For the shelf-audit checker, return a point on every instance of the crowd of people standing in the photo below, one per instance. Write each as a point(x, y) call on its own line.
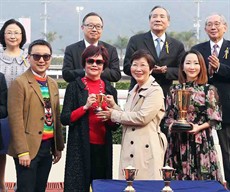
point(32, 133)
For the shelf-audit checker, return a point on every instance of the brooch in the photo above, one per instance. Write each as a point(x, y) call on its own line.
point(167, 47)
point(226, 52)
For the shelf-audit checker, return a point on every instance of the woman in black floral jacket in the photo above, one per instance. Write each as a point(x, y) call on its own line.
point(192, 153)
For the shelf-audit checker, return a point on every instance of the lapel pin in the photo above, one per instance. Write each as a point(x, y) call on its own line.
point(167, 47)
point(226, 52)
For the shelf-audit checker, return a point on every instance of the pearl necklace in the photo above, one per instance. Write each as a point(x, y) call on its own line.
point(86, 85)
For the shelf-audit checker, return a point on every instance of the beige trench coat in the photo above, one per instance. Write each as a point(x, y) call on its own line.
point(143, 144)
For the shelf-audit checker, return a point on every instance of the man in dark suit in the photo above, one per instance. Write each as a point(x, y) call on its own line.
point(170, 50)
point(217, 59)
point(92, 27)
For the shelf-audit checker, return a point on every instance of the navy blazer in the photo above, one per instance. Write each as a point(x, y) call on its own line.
point(3, 103)
point(171, 57)
point(72, 66)
point(221, 78)
point(3, 96)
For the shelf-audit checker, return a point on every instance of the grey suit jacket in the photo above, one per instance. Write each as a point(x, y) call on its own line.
point(72, 66)
point(221, 78)
point(171, 57)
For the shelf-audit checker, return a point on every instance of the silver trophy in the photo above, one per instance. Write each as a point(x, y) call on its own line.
point(130, 173)
point(167, 176)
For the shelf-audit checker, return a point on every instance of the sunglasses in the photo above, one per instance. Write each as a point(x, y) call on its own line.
point(97, 61)
point(37, 57)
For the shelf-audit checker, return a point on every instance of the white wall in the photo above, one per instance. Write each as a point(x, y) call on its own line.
point(57, 170)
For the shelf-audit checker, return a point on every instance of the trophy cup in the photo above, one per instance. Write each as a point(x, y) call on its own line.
point(100, 98)
point(167, 176)
point(182, 98)
point(129, 173)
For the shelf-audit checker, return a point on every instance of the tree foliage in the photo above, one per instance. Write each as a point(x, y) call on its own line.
point(188, 38)
point(121, 44)
point(51, 36)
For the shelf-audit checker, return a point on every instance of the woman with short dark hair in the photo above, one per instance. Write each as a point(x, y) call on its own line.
point(143, 144)
point(89, 147)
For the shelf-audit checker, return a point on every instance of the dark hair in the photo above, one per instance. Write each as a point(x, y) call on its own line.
point(91, 14)
point(2, 32)
point(142, 53)
point(202, 76)
point(156, 7)
point(39, 42)
point(92, 50)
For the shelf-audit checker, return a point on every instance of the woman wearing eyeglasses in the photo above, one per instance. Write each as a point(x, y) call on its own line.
point(89, 147)
point(12, 63)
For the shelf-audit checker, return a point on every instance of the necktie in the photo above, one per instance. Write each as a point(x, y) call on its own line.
point(158, 46)
point(215, 52)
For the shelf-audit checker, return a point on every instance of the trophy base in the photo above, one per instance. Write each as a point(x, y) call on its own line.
point(167, 189)
point(98, 110)
point(181, 127)
point(129, 189)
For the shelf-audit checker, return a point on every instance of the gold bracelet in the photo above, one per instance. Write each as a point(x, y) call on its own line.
point(23, 154)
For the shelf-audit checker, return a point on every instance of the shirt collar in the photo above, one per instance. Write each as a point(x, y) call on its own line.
point(163, 37)
point(219, 43)
point(37, 74)
point(87, 44)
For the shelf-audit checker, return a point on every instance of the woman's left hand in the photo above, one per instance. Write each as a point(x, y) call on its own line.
point(195, 129)
point(105, 115)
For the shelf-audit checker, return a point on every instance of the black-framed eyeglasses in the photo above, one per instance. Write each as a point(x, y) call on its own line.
point(97, 61)
point(37, 57)
point(91, 26)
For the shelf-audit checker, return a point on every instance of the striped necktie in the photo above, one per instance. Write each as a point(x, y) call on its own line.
point(215, 52)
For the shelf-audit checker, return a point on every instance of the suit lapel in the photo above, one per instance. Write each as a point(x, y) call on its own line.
point(223, 49)
point(206, 50)
point(34, 84)
point(81, 46)
point(148, 40)
point(167, 48)
point(129, 105)
point(100, 43)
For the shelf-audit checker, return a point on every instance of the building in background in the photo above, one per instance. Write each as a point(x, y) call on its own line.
point(26, 22)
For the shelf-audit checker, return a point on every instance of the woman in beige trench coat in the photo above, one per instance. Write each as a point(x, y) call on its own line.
point(143, 144)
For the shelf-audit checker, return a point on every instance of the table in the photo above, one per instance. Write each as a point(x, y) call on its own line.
point(156, 186)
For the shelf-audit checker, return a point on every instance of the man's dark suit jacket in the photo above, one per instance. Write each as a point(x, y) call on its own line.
point(170, 58)
point(221, 78)
point(72, 66)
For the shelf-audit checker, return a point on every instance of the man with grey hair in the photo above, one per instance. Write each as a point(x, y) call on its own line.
point(166, 51)
point(217, 59)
